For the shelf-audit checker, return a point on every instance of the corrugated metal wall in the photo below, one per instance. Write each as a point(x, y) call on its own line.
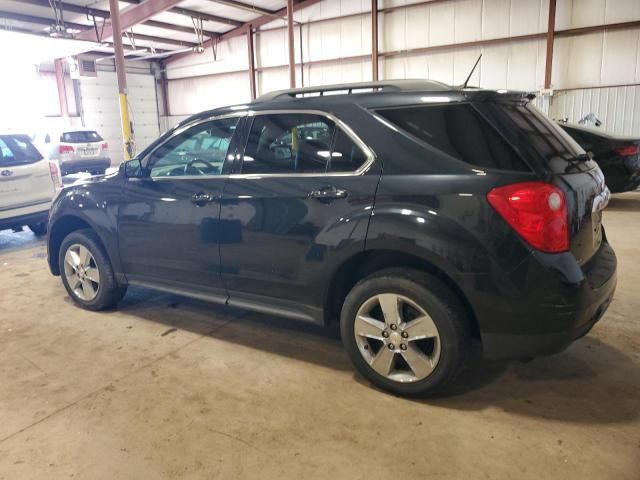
point(336, 47)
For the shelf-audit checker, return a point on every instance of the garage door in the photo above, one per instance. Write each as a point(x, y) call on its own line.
point(101, 109)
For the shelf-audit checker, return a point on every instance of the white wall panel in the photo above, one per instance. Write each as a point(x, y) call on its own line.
point(584, 13)
point(618, 107)
point(231, 55)
point(191, 95)
point(101, 109)
point(468, 20)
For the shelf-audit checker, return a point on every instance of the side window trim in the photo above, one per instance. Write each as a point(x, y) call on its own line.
point(225, 168)
point(339, 125)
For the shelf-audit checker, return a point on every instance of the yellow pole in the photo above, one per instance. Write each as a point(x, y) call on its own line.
point(118, 49)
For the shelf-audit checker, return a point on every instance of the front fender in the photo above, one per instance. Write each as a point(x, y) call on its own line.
point(91, 205)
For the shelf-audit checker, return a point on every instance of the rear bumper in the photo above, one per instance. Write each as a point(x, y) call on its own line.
point(548, 303)
point(22, 220)
point(94, 165)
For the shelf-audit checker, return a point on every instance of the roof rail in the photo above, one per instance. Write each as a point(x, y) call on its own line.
point(355, 88)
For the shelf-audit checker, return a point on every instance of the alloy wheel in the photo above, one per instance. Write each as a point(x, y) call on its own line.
point(397, 338)
point(81, 272)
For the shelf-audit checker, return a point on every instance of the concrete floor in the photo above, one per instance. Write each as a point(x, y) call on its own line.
point(170, 388)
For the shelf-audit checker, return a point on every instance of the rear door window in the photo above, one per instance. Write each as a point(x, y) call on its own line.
point(80, 137)
point(458, 131)
point(288, 143)
point(299, 143)
point(17, 150)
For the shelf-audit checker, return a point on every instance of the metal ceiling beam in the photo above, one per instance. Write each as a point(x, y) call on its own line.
point(245, 7)
point(76, 26)
point(95, 12)
point(129, 17)
point(241, 30)
point(195, 14)
point(21, 17)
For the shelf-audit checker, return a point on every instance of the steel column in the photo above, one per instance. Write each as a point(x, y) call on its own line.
point(551, 27)
point(122, 79)
point(292, 60)
point(252, 65)
point(374, 39)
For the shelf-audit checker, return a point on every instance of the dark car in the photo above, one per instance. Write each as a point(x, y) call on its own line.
point(618, 157)
point(418, 216)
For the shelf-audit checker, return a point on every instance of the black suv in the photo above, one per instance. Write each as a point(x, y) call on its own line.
point(418, 216)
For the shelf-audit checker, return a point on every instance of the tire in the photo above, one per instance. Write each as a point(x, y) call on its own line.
point(437, 356)
point(38, 229)
point(89, 290)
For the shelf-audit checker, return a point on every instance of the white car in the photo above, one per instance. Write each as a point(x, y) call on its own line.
point(76, 149)
point(28, 182)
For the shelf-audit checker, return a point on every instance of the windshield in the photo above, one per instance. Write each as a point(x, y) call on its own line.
point(17, 150)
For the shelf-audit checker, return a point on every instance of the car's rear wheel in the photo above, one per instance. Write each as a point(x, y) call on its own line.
point(405, 332)
point(86, 272)
point(38, 229)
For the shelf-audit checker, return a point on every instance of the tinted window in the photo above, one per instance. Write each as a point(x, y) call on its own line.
point(346, 156)
point(199, 150)
point(17, 150)
point(538, 135)
point(458, 131)
point(288, 143)
point(80, 137)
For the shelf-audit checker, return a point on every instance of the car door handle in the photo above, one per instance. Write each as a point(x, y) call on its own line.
point(328, 194)
point(202, 198)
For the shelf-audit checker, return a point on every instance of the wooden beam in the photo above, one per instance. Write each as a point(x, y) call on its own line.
point(551, 27)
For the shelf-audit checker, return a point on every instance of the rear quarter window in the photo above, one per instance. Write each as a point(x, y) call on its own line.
point(17, 150)
point(458, 131)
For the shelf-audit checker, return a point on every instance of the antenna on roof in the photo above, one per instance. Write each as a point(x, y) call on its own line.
point(464, 85)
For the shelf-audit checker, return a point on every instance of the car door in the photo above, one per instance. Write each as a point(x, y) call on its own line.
point(304, 191)
point(25, 177)
point(168, 223)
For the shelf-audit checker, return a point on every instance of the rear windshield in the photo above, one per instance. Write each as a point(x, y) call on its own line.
point(80, 137)
point(459, 131)
point(537, 133)
point(17, 150)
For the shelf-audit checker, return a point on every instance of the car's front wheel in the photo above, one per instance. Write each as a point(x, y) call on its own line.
point(405, 332)
point(86, 272)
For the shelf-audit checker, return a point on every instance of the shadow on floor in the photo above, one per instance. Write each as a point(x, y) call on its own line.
point(629, 202)
point(591, 382)
point(13, 241)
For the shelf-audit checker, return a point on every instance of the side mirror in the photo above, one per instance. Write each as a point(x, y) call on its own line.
point(133, 168)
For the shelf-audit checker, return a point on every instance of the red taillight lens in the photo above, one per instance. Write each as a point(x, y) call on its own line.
point(628, 151)
point(54, 170)
point(65, 149)
point(537, 211)
point(104, 146)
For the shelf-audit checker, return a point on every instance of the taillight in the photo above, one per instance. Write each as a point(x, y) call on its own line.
point(65, 149)
point(537, 211)
point(54, 170)
point(628, 151)
point(104, 145)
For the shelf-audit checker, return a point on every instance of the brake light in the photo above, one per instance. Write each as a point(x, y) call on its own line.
point(104, 145)
point(628, 151)
point(54, 170)
point(537, 211)
point(65, 149)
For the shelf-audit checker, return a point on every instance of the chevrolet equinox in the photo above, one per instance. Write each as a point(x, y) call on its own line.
point(420, 218)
